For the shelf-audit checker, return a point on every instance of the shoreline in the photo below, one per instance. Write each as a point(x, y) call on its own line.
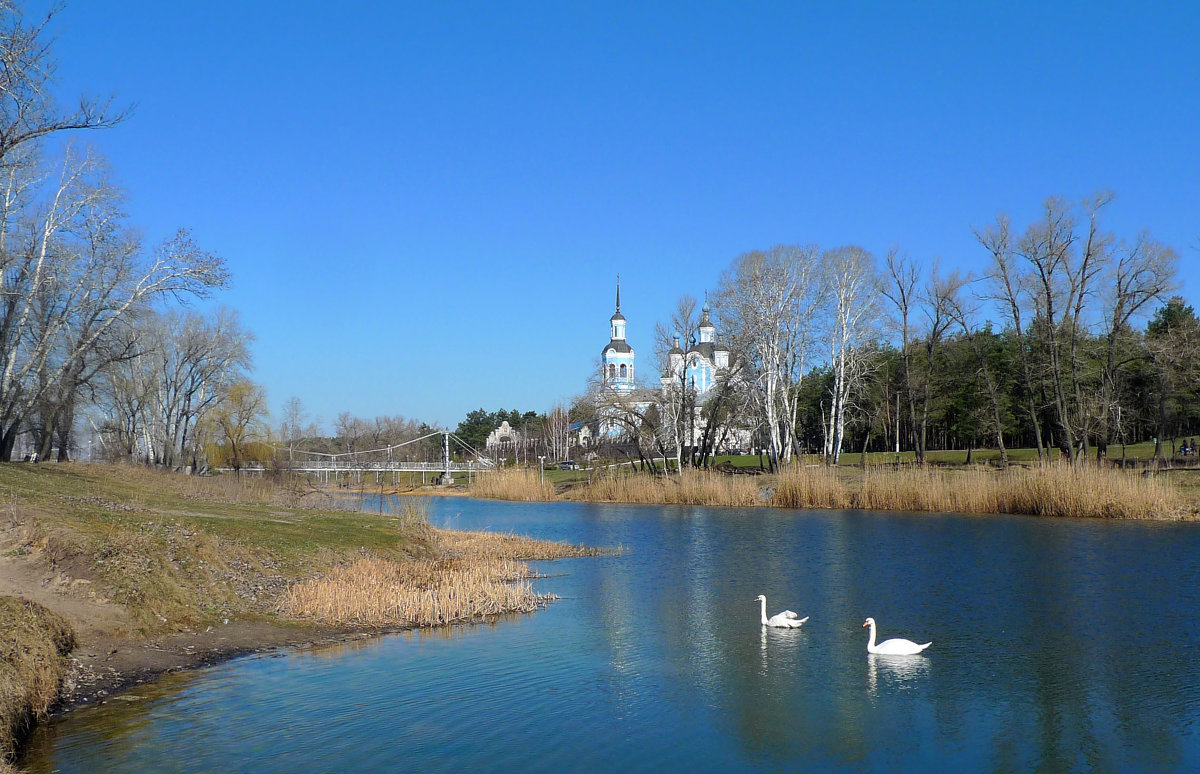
point(1042, 491)
point(114, 577)
point(104, 669)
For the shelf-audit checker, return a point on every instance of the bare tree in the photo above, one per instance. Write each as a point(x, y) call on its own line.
point(768, 303)
point(964, 312)
point(1010, 289)
point(73, 274)
point(295, 417)
point(853, 287)
point(556, 433)
point(901, 290)
point(677, 402)
point(28, 112)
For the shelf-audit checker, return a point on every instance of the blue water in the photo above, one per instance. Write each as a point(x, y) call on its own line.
point(1057, 646)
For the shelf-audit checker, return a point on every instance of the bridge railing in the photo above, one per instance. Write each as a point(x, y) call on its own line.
point(341, 465)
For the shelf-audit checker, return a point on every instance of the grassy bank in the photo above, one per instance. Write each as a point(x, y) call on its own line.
point(164, 557)
point(32, 666)
point(1045, 490)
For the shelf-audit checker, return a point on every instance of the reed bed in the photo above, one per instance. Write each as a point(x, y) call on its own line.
point(810, 487)
point(493, 545)
point(692, 487)
point(1060, 490)
point(379, 592)
point(1043, 490)
point(520, 484)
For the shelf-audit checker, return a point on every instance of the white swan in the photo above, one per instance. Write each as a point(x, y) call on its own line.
point(785, 620)
point(895, 647)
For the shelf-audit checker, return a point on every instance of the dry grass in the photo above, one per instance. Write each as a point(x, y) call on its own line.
point(1043, 490)
point(32, 666)
point(520, 484)
point(810, 487)
point(475, 575)
point(378, 592)
point(477, 545)
point(275, 490)
point(1056, 489)
point(693, 487)
point(1060, 490)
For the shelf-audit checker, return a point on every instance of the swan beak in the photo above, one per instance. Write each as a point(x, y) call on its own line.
point(865, 624)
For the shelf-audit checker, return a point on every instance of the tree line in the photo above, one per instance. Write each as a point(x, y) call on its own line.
point(82, 295)
point(1068, 341)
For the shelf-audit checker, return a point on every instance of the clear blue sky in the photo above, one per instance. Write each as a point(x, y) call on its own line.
point(424, 205)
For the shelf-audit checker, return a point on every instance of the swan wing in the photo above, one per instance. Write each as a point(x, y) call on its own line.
point(900, 647)
point(789, 614)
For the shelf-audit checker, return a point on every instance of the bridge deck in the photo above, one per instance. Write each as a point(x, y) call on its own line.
point(340, 466)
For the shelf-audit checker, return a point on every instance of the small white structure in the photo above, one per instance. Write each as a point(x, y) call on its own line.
point(504, 440)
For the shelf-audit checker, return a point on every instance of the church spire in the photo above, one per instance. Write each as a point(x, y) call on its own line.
point(618, 292)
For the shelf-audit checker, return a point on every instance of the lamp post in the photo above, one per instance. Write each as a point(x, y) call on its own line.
point(541, 469)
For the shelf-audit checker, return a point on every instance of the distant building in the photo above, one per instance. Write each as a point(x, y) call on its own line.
point(503, 436)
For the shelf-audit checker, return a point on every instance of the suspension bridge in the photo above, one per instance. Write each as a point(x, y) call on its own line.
point(392, 459)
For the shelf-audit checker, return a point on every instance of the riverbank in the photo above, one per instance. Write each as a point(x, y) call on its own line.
point(155, 572)
point(1057, 490)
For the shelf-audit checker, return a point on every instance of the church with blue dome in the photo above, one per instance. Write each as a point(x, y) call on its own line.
point(697, 369)
point(617, 357)
point(699, 365)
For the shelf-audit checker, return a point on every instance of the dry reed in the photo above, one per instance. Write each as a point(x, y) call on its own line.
point(479, 545)
point(520, 484)
point(692, 487)
point(1062, 490)
point(378, 592)
point(810, 487)
point(1045, 490)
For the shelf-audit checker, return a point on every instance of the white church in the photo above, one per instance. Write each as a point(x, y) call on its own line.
point(696, 368)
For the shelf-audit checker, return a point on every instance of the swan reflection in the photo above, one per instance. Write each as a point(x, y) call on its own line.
point(895, 672)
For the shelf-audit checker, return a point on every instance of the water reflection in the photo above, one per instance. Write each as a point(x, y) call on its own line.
point(895, 673)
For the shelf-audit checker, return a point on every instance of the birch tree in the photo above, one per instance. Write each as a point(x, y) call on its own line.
point(768, 303)
point(853, 289)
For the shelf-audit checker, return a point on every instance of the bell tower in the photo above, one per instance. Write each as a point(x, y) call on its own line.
point(616, 360)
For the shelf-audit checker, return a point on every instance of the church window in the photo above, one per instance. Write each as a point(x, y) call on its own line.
point(622, 370)
point(612, 371)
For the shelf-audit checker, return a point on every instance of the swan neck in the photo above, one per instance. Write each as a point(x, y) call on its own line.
point(764, 611)
point(871, 642)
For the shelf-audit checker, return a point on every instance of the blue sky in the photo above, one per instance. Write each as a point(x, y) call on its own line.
point(424, 205)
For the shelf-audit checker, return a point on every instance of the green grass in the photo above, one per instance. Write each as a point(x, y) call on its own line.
point(175, 548)
point(1143, 450)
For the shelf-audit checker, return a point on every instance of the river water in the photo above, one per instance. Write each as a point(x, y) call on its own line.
point(1057, 646)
